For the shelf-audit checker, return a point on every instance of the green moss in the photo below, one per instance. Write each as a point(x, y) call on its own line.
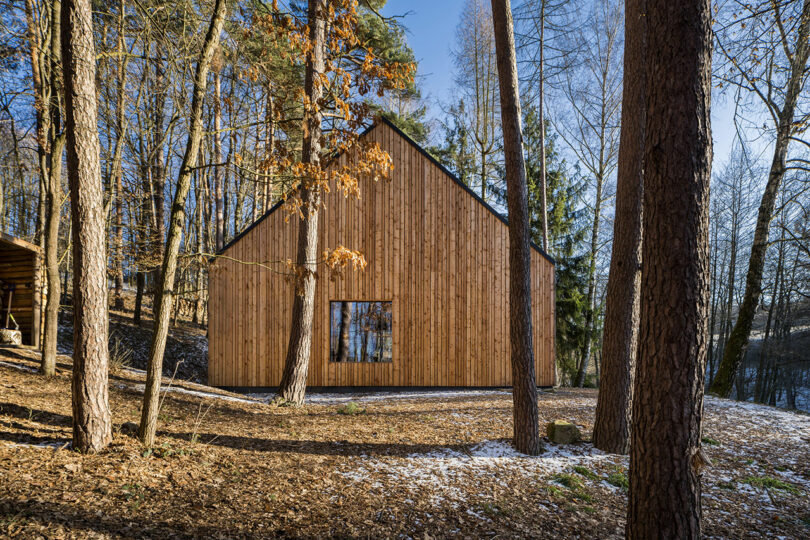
point(769, 482)
point(587, 473)
point(619, 479)
point(731, 486)
point(709, 441)
point(568, 480)
point(351, 408)
point(575, 489)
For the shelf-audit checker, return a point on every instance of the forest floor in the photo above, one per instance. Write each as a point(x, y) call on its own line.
point(418, 465)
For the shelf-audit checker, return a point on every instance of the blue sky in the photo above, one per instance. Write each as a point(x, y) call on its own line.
point(431, 28)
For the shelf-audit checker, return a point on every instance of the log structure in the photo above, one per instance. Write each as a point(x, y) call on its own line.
point(21, 287)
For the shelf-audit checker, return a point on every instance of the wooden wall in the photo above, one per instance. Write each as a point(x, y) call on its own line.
point(19, 264)
point(433, 250)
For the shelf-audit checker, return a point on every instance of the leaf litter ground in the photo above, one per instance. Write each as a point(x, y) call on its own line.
point(385, 465)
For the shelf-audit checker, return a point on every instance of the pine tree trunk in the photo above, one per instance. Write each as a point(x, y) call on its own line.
point(294, 379)
point(741, 333)
point(665, 455)
point(524, 393)
point(164, 293)
point(91, 413)
point(611, 430)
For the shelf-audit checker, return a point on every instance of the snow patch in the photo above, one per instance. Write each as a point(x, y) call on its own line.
point(179, 390)
point(21, 367)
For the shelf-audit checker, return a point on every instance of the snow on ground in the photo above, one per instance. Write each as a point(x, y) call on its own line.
point(317, 398)
point(742, 417)
point(450, 473)
point(21, 367)
point(180, 390)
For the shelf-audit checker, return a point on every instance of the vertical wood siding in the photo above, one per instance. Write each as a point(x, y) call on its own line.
point(433, 250)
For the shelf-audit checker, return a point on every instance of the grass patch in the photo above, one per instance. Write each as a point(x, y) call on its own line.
point(769, 482)
point(731, 486)
point(351, 409)
point(709, 441)
point(575, 488)
point(619, 479)
point(587, 473)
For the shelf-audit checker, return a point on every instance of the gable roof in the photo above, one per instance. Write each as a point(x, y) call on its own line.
point(426, 154)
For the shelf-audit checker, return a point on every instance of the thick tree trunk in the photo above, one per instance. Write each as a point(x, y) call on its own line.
point(665, 455)
point(611, 430)
point(524, 393)
point(740, 334)
point(91, 413)
point(164, 293)
point(294, 379)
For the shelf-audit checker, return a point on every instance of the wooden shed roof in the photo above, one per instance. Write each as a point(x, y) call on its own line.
point(427, 155)
point(11, 243)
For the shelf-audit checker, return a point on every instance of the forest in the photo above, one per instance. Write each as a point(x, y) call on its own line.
point(656, 152)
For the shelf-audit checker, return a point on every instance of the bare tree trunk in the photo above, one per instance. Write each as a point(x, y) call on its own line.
point(294, 379)
point(740, 334)
point(218, 190)
point(611, 430)
point(540, 108)
point(53, 198)
point(164, 294)
point(91, 413)
point(665, 456)
point(591, 296)
point(118, 229)
point(52, 181)
point(524, 393)
point(140, 285)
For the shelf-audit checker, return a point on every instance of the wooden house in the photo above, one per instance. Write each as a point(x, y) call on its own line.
point(20, 288)
point(430, 309)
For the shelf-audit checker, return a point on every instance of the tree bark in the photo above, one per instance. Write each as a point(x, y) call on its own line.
point(91, 413)
point(611, 430)
point(524, 393)
point(741, 333)
point(218, 190)
point(541, 107)
point(164, 293)
point(294, 379)
point(665, 455)
point(117, 171)
point(52, 182)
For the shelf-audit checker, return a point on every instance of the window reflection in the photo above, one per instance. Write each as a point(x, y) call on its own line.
point(360, 332)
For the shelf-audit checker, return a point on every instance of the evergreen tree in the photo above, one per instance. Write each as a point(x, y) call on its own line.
point(567, 230)
point(456, 153)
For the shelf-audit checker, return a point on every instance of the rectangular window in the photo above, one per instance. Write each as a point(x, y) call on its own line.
point(360, 332)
